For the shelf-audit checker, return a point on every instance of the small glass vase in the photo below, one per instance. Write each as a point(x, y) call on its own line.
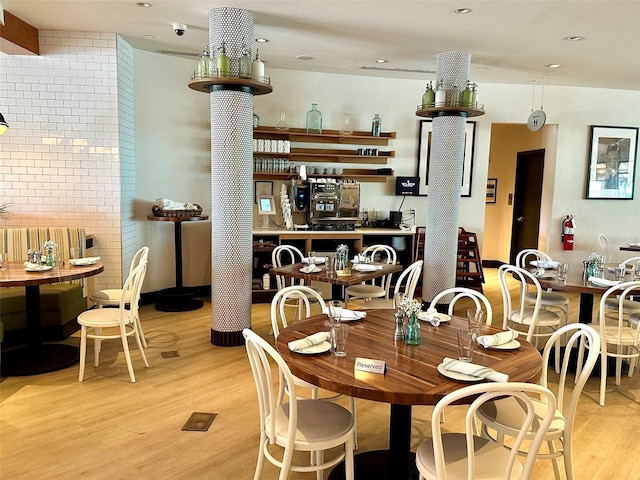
point(282, 124)
point(51, 259)
point(314, 120)
point(412, 334)
point(346, 125)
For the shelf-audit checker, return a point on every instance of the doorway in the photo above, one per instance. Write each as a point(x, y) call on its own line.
point(527, 198)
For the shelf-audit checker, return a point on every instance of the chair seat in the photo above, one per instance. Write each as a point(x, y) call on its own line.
point(506, 415)
point(102, 317)
point(108, 297)
point(548, 298)
point(378, 303)
point(365, 291)
point(318, 423)
point(634, 318)
point(628, 306)
point(546, 318)
point(627, 335)
point(490, 458)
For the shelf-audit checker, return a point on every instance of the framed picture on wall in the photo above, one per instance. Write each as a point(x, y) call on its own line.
point(492, 190)
point(424, 156)
point(612, 162)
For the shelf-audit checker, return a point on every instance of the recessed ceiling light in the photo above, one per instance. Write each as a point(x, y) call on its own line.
point(553, 65)
point(574, 38)
point(261, 40)
point(462, 11)
point(304, 57)
point(143, 4)
point(149, 37)
point(381, 60)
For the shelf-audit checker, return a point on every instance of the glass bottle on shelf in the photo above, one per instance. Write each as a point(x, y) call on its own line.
point(474, 95)
point(205, 64)
point(224, 63)
point(314, 119)
point(257, 68)
point(245, 64)
point(428, 97)
point(256, 121)
point(455, 95)
point(440, 95)
point(376, 126)
point(282, 124)
point(466, 97)
point(346, 125)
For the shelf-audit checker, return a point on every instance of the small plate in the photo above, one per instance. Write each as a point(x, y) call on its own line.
point(43, 268)
point(545, 264)
point(314, 349)
point(315, 270)
point(318, 261)
point(512, 345)
point(424, 316)
point(457, 376)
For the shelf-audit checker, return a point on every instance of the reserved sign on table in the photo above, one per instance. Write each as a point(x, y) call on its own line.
point(369, 365)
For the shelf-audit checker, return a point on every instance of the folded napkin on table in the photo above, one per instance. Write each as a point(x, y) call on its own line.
point(84, 261)
point(314, 339)
point(545, 263)
point(31, 266)
point(474, 370)
point(497, 338)
point(309, 268)
point(346, 314)
point(539, 272)
point(603, 282)
point(367, 267)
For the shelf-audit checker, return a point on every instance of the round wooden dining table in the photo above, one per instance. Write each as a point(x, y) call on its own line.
point(38, 357)
point(411, 377)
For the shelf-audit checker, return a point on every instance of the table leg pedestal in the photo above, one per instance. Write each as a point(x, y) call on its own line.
point(397, 463)
point(586, 308)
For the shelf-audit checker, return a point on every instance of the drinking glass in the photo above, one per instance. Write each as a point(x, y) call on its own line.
point(465, 345)
point(311, 257)
point(475, 318)
point(73, 253)
point(563, 269)
point(601, 261)
point(334, 308)
point(5, 261)
point(637, 271)
point(620, 272)
point(339, 337)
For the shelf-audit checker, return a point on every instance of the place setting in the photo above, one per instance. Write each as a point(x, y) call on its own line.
point(312, 262)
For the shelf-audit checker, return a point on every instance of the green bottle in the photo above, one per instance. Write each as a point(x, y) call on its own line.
point(224, 63)
point(466, 98)
point(428, 97)
point(205, 64)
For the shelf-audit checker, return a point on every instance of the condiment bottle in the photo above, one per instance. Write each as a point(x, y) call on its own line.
point(244, 64)
point(258, 68)
point(224, 63)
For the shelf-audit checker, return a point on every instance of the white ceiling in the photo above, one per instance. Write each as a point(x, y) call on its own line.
point(509, 41)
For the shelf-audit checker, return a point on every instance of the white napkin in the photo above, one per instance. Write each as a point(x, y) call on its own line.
point(32, 266)
point(317, 261)
point(309, 268)
point(346, 314)
point(603, 282)
point(539, 272)
point(314, 339)
point(474, 370)
point(497, 338)
point(545, 263)
point(366, 267)
point(167, 204)
point(84, 261)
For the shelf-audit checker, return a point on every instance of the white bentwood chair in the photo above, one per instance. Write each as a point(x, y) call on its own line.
point(111, 297)
point(377, 287)
point(503, 417)
point(305, 425)
point(548, 298)
point(119, 322)
point(480, 301)
point(286, 255)
point(517, 309)
point(406, 286)
point(465, 455)
point(303, 297)
point(631, 305)
point(619, 339)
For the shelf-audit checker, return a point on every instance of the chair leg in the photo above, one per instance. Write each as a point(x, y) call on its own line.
point(554, 460)
point(603, 377)
point(127, 356)
point(260, 462)
point(141, 332)
point(139, 342)
point(97, 346)
point(83, 352)
point(567, 453)
point(319, 461)
point(286, 463)
point(352, 406)
point(348, 459)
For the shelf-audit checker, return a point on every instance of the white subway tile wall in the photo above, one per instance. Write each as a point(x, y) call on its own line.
point(68, 157)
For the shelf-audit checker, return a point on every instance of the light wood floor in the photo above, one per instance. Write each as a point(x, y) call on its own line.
point(52, 427)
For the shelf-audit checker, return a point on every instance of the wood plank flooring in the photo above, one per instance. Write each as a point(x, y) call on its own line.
point(53, 427)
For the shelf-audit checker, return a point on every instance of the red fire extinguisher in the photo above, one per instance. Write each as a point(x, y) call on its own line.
point(568, 230)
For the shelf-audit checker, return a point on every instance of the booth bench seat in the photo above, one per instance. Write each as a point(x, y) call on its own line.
point(60, 303)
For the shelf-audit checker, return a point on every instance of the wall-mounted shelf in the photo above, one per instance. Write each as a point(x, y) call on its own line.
point(208, 84)
point(359, 174)
point(327, 136)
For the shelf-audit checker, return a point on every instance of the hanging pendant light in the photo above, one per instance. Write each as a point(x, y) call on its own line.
point(3, 125)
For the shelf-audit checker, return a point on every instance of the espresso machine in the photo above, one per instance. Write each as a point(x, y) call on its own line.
point(334, 204)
